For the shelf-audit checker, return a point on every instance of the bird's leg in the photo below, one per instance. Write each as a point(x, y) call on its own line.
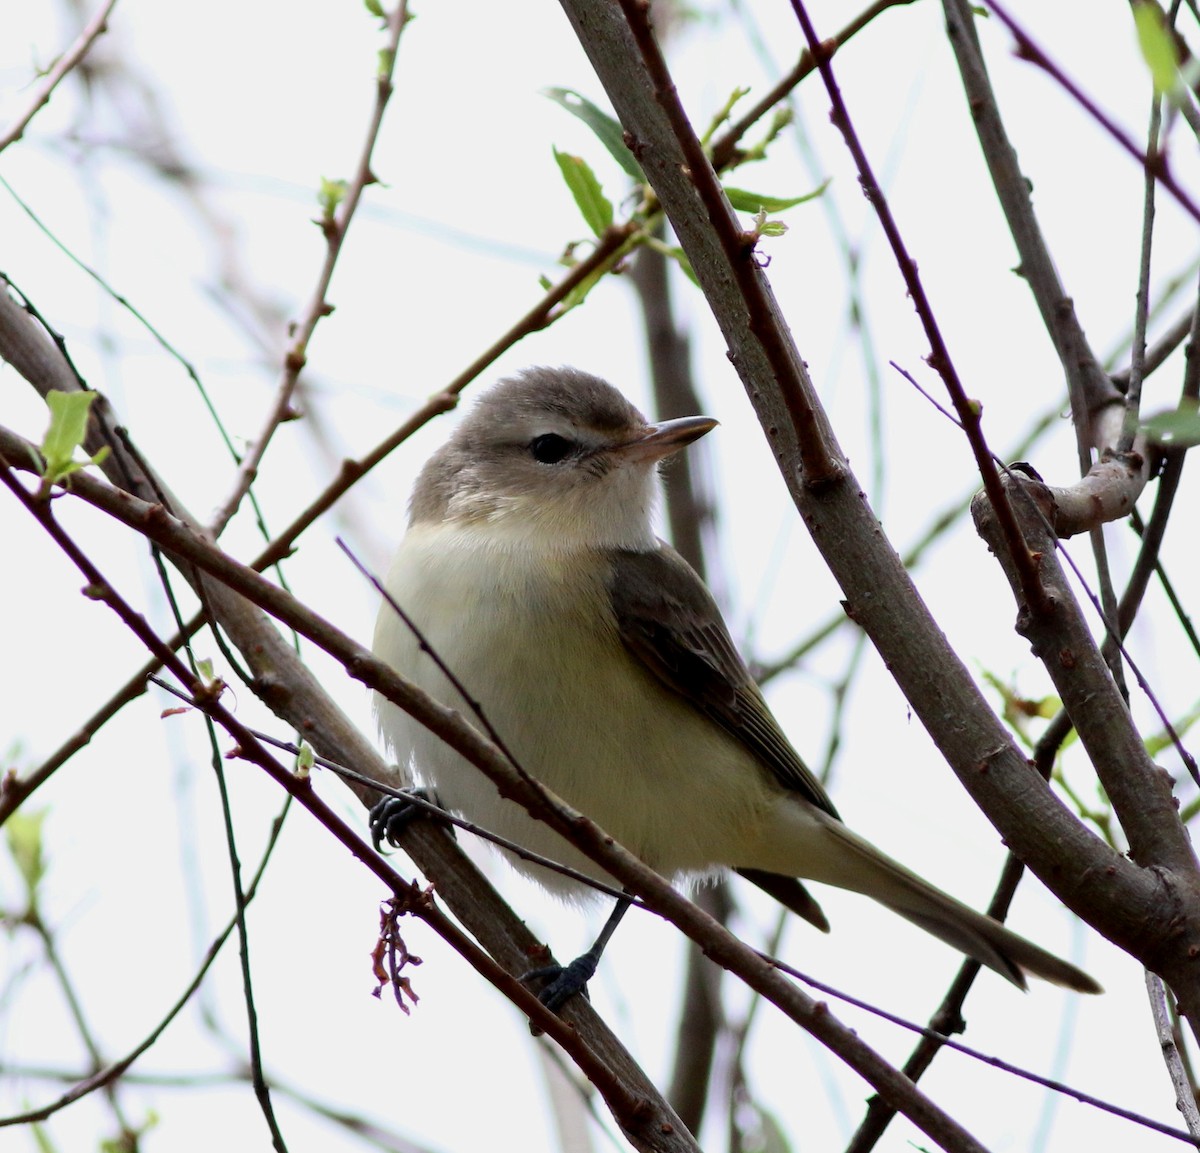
point(567, 980)
point(391, 816)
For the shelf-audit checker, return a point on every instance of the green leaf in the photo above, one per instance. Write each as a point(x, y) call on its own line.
point(305, 759)
point(66, 433)
point(1158, 48)
point(329, 196)
point(375, 8)
point(23, 831)
point(1179, 428)
point(608, 131)
point(68, 425)
point(596, 208)
point(745, 201)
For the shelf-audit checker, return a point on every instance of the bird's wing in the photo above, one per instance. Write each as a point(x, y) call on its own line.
point(670, 622)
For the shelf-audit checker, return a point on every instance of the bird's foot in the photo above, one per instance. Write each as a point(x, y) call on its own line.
point(563, 981)
point(391, 816)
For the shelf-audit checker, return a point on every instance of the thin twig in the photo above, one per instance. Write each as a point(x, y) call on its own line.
point(258, 1081)
point(1156, 354)
point(335, 230)
point(1185, 1096)
point(988, 1059)
point(61, 67)
point(1133, 390)
point(75, 1008)
point(718, 942)
point(106, 1076)
point(1156, 164)
point(969, 412)
point(724, 147)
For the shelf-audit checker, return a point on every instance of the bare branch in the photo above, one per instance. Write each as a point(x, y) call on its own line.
point(174, 536)
point(1139, 791)
point(939, 359)
point(1086, 874)
point(1185, 1095)
point(62, 66)
point(1087, 385)
point(335, 229)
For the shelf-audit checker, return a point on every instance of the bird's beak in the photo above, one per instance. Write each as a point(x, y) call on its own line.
point(662, 439)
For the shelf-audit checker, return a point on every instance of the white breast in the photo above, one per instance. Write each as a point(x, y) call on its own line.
point(530, 636)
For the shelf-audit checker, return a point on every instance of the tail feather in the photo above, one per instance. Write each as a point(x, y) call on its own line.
point(979, 936)
point(790, 894)
point(838, 856)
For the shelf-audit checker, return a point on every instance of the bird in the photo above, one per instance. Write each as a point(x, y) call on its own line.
point(531, 568)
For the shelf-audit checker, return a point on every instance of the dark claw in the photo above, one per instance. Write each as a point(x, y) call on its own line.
point(391, 816)
point(564, 980)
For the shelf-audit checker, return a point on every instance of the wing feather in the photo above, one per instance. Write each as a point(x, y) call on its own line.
point(670, 622)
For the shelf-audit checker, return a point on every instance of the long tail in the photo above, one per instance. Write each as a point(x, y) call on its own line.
point(845, 859)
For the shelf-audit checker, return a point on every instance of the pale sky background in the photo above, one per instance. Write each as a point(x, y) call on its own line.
point(266, 98)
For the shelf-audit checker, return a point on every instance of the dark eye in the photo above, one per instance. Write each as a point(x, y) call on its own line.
point(549, 448)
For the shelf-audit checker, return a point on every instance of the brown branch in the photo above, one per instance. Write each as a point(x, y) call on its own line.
point(1157, 164)
point(648, 1128)
point(725, 146)
point(335, 230)
point(1077, 866)
point(179, 540)
point(1159, 933)
point(94, 28)
point(939, 359)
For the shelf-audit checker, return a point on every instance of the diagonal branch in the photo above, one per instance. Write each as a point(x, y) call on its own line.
point(293, 693)
point(181, 541)
point(94, 28)
point(1077, 866)
point(335, 229)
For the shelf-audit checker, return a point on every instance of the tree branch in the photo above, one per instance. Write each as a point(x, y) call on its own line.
point(1077, 866)
point(181, 541)
point(94, 28)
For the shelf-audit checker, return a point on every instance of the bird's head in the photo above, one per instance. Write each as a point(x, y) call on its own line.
point(557, 455)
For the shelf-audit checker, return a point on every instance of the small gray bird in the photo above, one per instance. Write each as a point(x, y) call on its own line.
point(532, 569)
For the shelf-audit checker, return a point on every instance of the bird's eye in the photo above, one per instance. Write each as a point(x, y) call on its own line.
point(549, 448)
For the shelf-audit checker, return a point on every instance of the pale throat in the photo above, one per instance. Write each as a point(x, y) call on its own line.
point(615, 513)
